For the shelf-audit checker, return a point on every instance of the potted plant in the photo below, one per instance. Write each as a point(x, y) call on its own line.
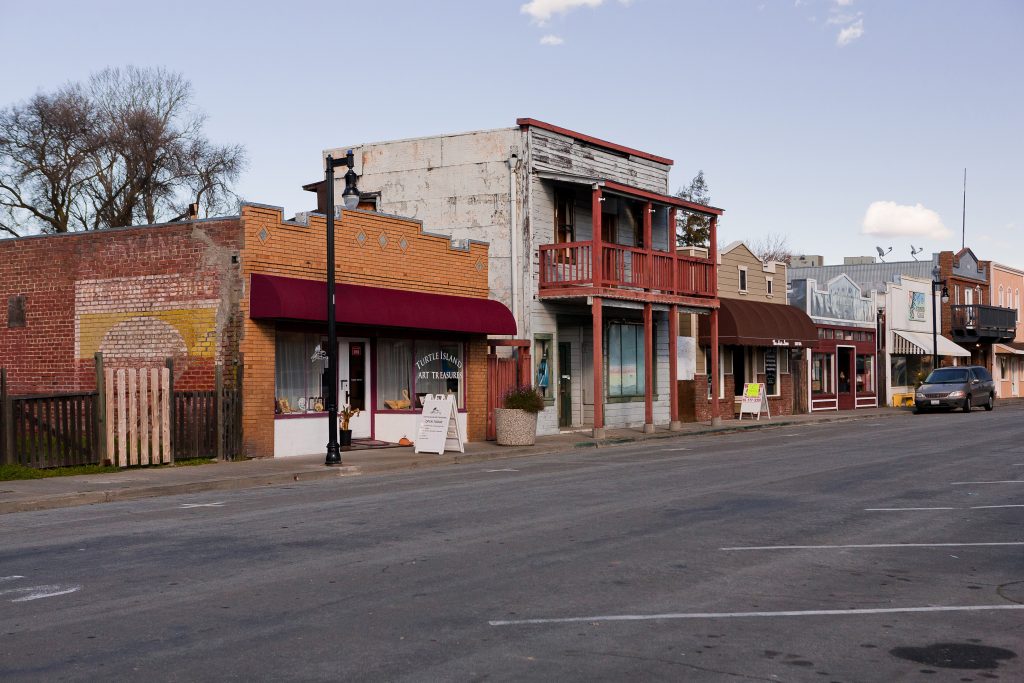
point(516, 422)
point(346, 413)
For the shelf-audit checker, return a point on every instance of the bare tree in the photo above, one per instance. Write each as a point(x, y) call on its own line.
point(772, 246)
point(46, 149)
point(129, 148)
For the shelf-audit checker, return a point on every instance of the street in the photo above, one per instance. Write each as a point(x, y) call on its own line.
point(887, 549)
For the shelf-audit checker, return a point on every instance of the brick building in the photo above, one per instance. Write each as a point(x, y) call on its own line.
point(412, 313)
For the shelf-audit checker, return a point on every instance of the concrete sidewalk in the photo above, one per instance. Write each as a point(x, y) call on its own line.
point(133, 484)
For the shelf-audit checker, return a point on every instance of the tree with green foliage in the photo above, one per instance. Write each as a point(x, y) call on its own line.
point(693, 229)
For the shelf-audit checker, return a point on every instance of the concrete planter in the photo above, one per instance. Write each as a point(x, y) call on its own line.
point(515, 427)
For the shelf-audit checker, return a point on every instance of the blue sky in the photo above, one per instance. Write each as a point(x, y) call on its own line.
point(803, 114)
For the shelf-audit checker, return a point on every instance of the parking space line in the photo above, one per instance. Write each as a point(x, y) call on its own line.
point(1004, 481)
point(872, 545)
point(734, 615)
point(902, 509)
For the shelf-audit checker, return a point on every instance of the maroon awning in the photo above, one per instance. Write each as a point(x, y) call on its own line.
point(758, 323)
point(285, 298)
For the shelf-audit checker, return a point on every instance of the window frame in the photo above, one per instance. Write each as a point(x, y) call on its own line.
point(743, 280)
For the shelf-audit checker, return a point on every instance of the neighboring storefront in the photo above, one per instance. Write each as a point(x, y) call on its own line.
point(1008, 370)
point(413, 318)
point(842, 367)
point(759, 337)
point(908, 344)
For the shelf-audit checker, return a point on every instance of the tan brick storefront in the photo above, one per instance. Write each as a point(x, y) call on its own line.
point(373, 250)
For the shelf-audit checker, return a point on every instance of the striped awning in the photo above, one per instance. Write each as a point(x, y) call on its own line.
point(920, 344)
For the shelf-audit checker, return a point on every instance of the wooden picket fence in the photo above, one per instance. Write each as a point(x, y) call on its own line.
point(134, 418)
point(138, 404)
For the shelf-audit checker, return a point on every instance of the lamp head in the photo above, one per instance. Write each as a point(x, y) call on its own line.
point(945, 294)
point(350, 197)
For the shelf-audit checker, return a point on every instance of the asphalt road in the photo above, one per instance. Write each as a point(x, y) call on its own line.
point(837, 552)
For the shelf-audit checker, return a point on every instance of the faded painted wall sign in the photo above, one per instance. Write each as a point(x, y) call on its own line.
point(439, 365)
point(916, 311)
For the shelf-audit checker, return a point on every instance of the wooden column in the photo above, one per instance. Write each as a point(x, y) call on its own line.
point(596, 252)
point(672, 251)
point(648, 247)
point(648, 369)
point(673, 366)
point(716, 410)
point(713, 253)
point(598, 361)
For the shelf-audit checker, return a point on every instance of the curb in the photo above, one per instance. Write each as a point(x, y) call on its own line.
point(280, 478)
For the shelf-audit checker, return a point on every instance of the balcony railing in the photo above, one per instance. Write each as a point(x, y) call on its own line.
point(975, 322)
point(571, 265)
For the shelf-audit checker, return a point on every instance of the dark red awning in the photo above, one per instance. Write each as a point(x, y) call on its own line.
point(759, 323)
point(285, 298)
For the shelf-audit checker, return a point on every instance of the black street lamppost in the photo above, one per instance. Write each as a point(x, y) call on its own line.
point(935, 333)
point(350, 197)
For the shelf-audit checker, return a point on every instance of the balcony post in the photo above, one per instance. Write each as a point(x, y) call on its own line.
point(673, 366)
point(672, 251)
point(716, 411)
point(648, 368)
point(713, 255)
point(596, 255)
point(598, 362)
point(648, 245)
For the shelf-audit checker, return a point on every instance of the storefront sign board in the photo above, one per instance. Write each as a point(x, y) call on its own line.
point(755, 400)
point(438, 428)
point(771, 366)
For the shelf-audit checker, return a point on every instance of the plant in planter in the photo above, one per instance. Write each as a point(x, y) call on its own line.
point(346, 413)
point(516, 422)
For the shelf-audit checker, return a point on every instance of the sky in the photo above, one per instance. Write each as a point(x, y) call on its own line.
point(840, 124)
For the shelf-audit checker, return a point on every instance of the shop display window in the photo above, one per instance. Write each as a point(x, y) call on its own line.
point(821, 373)
point(908, 371)
point(299, 373)
point(409, 369)
point(865, 374)
point(625, 360)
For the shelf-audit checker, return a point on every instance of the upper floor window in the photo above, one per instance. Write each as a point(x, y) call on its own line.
point(565, 216)
point(769, 284)
point(743, 278)
point(1000, 295)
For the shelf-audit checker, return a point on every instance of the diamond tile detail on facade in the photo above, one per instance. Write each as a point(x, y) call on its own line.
point(361, 238)
point(479, 265)
point(382, 240)
point(263, 235)
point(403, 245)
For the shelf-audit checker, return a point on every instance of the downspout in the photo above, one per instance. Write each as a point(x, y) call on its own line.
point(513, 167)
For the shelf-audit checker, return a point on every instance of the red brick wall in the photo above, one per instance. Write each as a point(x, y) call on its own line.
point(779, 405)
point(138, 295)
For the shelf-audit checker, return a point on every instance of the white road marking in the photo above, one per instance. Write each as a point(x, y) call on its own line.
point(733, 615)
point(38, 592)
point(504, 470)
point(902, 509)
point(989, 507)
point(678, 449)
point(188, 506)
point(11, 578)
point(870, 545)
point(1005, 481)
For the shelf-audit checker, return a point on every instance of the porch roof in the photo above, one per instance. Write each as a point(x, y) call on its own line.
point(630, 191)
point(285, 298)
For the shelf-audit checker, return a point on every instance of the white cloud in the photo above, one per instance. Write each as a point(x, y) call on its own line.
point(551, 40)
point(542, 10)
point(889, 219)
point(844, 3)
point(850, 33)
point(840, 19)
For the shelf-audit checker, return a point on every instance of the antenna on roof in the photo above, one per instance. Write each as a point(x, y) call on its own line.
point(914, 251)
point(881, 254)
point(963, 216)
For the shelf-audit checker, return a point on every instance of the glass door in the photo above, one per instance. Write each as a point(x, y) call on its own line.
point(844, 377)
point(353, 387)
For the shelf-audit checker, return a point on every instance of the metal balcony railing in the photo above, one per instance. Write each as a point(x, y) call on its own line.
point(975, 322)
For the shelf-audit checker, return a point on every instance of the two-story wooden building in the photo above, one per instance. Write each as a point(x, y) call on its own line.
point(582, 250)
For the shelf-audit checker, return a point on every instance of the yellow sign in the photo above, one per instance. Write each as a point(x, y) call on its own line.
point(752, 390)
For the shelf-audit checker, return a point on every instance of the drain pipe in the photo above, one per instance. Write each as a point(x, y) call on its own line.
point(513, 167)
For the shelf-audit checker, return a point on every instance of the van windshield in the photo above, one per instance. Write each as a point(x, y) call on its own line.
point(947, 376)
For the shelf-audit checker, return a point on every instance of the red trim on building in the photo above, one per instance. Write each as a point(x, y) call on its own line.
point(671, 200)
point(589, 139)
point(285, 298)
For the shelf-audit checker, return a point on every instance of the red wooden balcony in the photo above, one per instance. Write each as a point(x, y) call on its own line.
point(567, 269)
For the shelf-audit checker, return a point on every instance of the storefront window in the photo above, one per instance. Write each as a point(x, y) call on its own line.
point(821, 373)
point(408, 370)
point(299, 373)
point(625, 360)
point(865, 374)
point(908, 371)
